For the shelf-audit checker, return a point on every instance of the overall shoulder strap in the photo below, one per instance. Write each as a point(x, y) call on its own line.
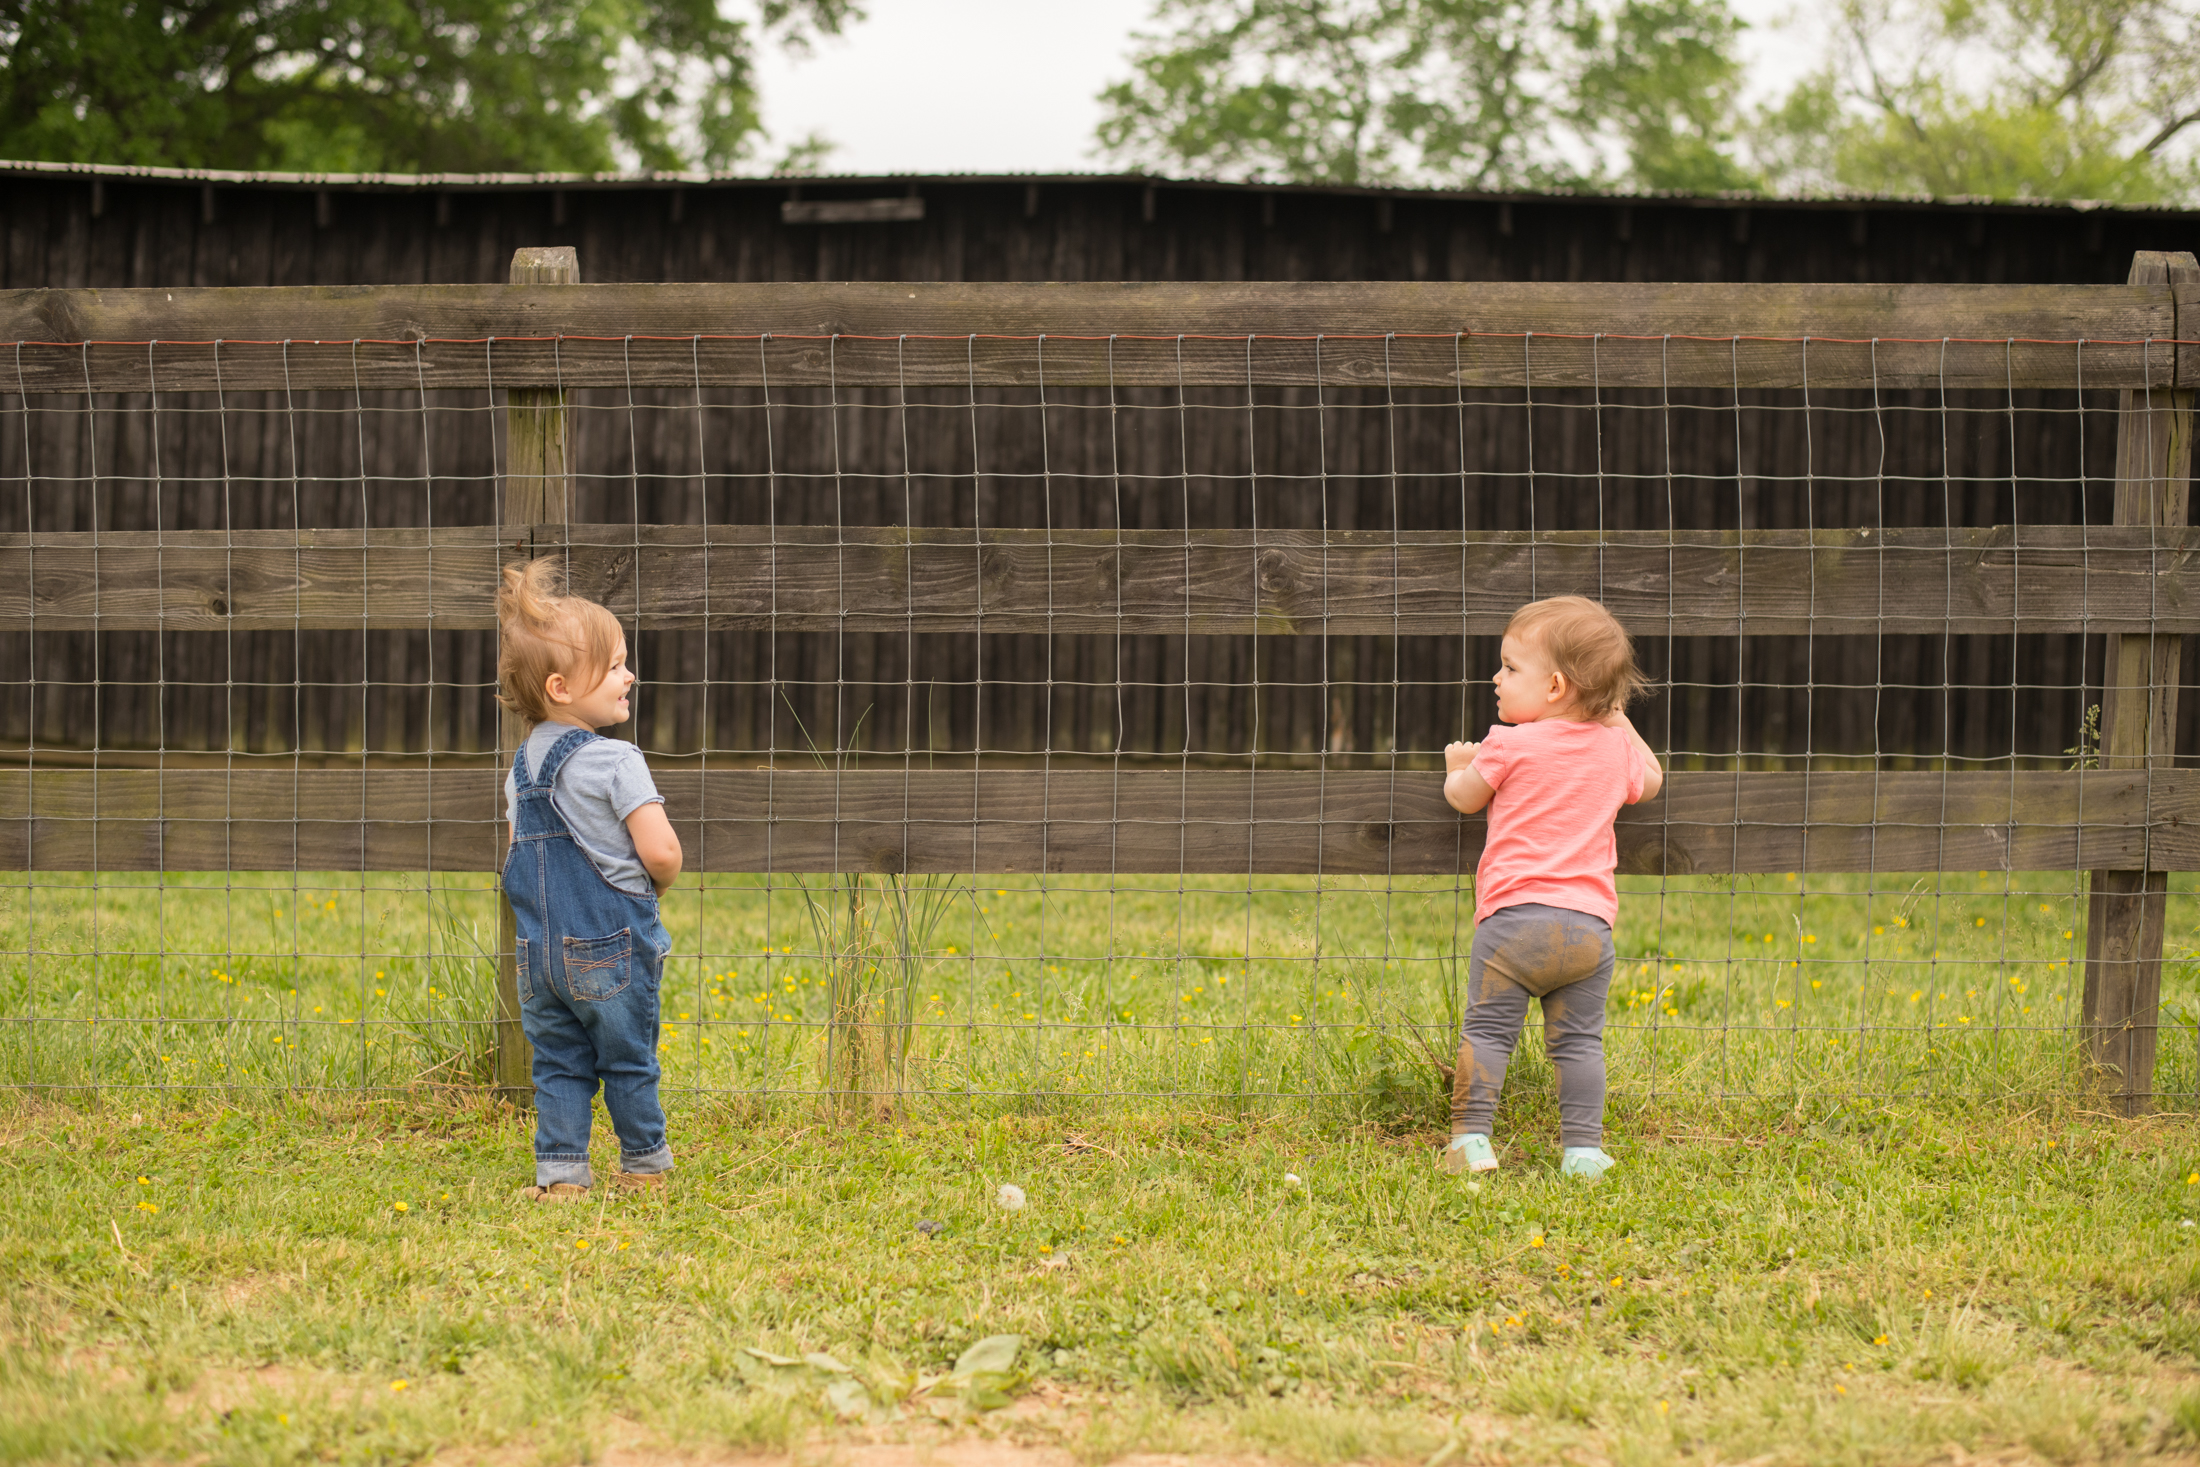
point(562, 750)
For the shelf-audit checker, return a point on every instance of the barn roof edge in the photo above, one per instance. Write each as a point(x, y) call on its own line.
point(908, 182)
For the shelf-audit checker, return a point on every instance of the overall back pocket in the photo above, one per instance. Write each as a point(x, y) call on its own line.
point(596, 968)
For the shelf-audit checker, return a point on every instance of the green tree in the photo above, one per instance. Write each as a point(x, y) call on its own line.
point(2001, 98)
point(398, 85)
point(1662, 75)
point(1469, 93)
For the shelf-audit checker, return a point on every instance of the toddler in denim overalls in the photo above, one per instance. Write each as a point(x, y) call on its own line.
point(591, 850)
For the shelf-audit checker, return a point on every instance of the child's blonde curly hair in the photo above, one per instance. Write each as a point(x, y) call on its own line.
point(542, 629)
point(1588, 645)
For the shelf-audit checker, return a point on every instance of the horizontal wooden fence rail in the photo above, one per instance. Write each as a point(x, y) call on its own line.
point(1362, 334)
point(1986, 581)
point(1284, 822)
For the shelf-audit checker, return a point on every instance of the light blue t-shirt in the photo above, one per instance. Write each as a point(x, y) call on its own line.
point(601, 783)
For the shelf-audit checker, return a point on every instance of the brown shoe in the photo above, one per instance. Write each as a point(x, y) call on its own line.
point(555, 1192)
point(640, 1181)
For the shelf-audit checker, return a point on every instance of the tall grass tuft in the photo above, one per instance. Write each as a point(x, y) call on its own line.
point(872, 933)
point(454, 1037)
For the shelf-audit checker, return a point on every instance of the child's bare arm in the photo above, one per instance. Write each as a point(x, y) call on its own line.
point(656, 845)
point(1653, 774)
point(1464, 789)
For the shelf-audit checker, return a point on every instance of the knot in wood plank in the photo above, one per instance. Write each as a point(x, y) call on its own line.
point(1277, 574)
point(1647, 854)
point(996, 568)
point(602, 577)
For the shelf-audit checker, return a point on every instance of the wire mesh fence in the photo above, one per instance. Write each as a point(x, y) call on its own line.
point(1050, 690)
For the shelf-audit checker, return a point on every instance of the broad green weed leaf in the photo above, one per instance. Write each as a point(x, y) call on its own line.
point(889, 1382)
point(994, 1352)
point(770, 1359)
point(848, 1398)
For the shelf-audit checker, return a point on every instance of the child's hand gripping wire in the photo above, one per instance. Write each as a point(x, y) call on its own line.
point(1464, 789)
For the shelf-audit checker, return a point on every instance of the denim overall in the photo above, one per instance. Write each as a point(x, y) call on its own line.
point(589, 959)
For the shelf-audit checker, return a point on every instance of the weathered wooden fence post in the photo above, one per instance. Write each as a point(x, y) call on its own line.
point(2125, 910)
point(538, 472)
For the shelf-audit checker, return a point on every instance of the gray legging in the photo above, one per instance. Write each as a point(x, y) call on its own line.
point(1563, 958)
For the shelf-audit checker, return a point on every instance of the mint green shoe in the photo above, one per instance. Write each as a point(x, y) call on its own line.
point(1586, 1162)
point(1470, 1153)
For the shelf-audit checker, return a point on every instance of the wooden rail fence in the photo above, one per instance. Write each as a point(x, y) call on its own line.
point(2129, 822)
point(2126, 579)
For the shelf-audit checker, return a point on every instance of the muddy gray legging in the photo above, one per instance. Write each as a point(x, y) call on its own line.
point(1563, 958)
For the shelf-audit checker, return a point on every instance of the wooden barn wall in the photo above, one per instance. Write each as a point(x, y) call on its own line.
point(1151, 459)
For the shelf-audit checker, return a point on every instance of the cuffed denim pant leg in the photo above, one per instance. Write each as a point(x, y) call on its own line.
point(579, 1042)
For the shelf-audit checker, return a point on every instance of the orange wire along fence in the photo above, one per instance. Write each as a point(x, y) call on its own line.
point(1048, 682)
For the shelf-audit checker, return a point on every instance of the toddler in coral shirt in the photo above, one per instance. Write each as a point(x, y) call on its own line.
point(1544, 899)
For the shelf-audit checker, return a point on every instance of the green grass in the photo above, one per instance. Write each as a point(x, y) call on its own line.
point(989, 995)
point(335, 1283)
point(1865, 1210)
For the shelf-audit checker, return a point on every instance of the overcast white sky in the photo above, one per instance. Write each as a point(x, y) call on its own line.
point(1010, 86)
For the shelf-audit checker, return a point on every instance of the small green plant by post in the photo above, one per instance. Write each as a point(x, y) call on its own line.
point(2086, 752)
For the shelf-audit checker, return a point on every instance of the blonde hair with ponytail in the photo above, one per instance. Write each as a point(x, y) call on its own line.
point(542, 628)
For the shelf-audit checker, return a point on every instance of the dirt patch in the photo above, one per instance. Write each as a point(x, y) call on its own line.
point(1029, 1434)
point(949, 1452)
point(239, 1294)
point(217, 1391)
point(962, 1452)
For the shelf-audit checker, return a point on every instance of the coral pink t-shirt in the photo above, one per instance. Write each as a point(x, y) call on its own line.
point(1559, 786)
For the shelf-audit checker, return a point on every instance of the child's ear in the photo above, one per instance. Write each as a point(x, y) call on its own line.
point(555, 689)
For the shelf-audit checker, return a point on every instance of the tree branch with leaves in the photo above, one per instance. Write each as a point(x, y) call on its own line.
point(1996, 98)
point(1466, 93)
point(391, 85)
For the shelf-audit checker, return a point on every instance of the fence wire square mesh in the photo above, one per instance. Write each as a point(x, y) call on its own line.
point(1043, 735)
